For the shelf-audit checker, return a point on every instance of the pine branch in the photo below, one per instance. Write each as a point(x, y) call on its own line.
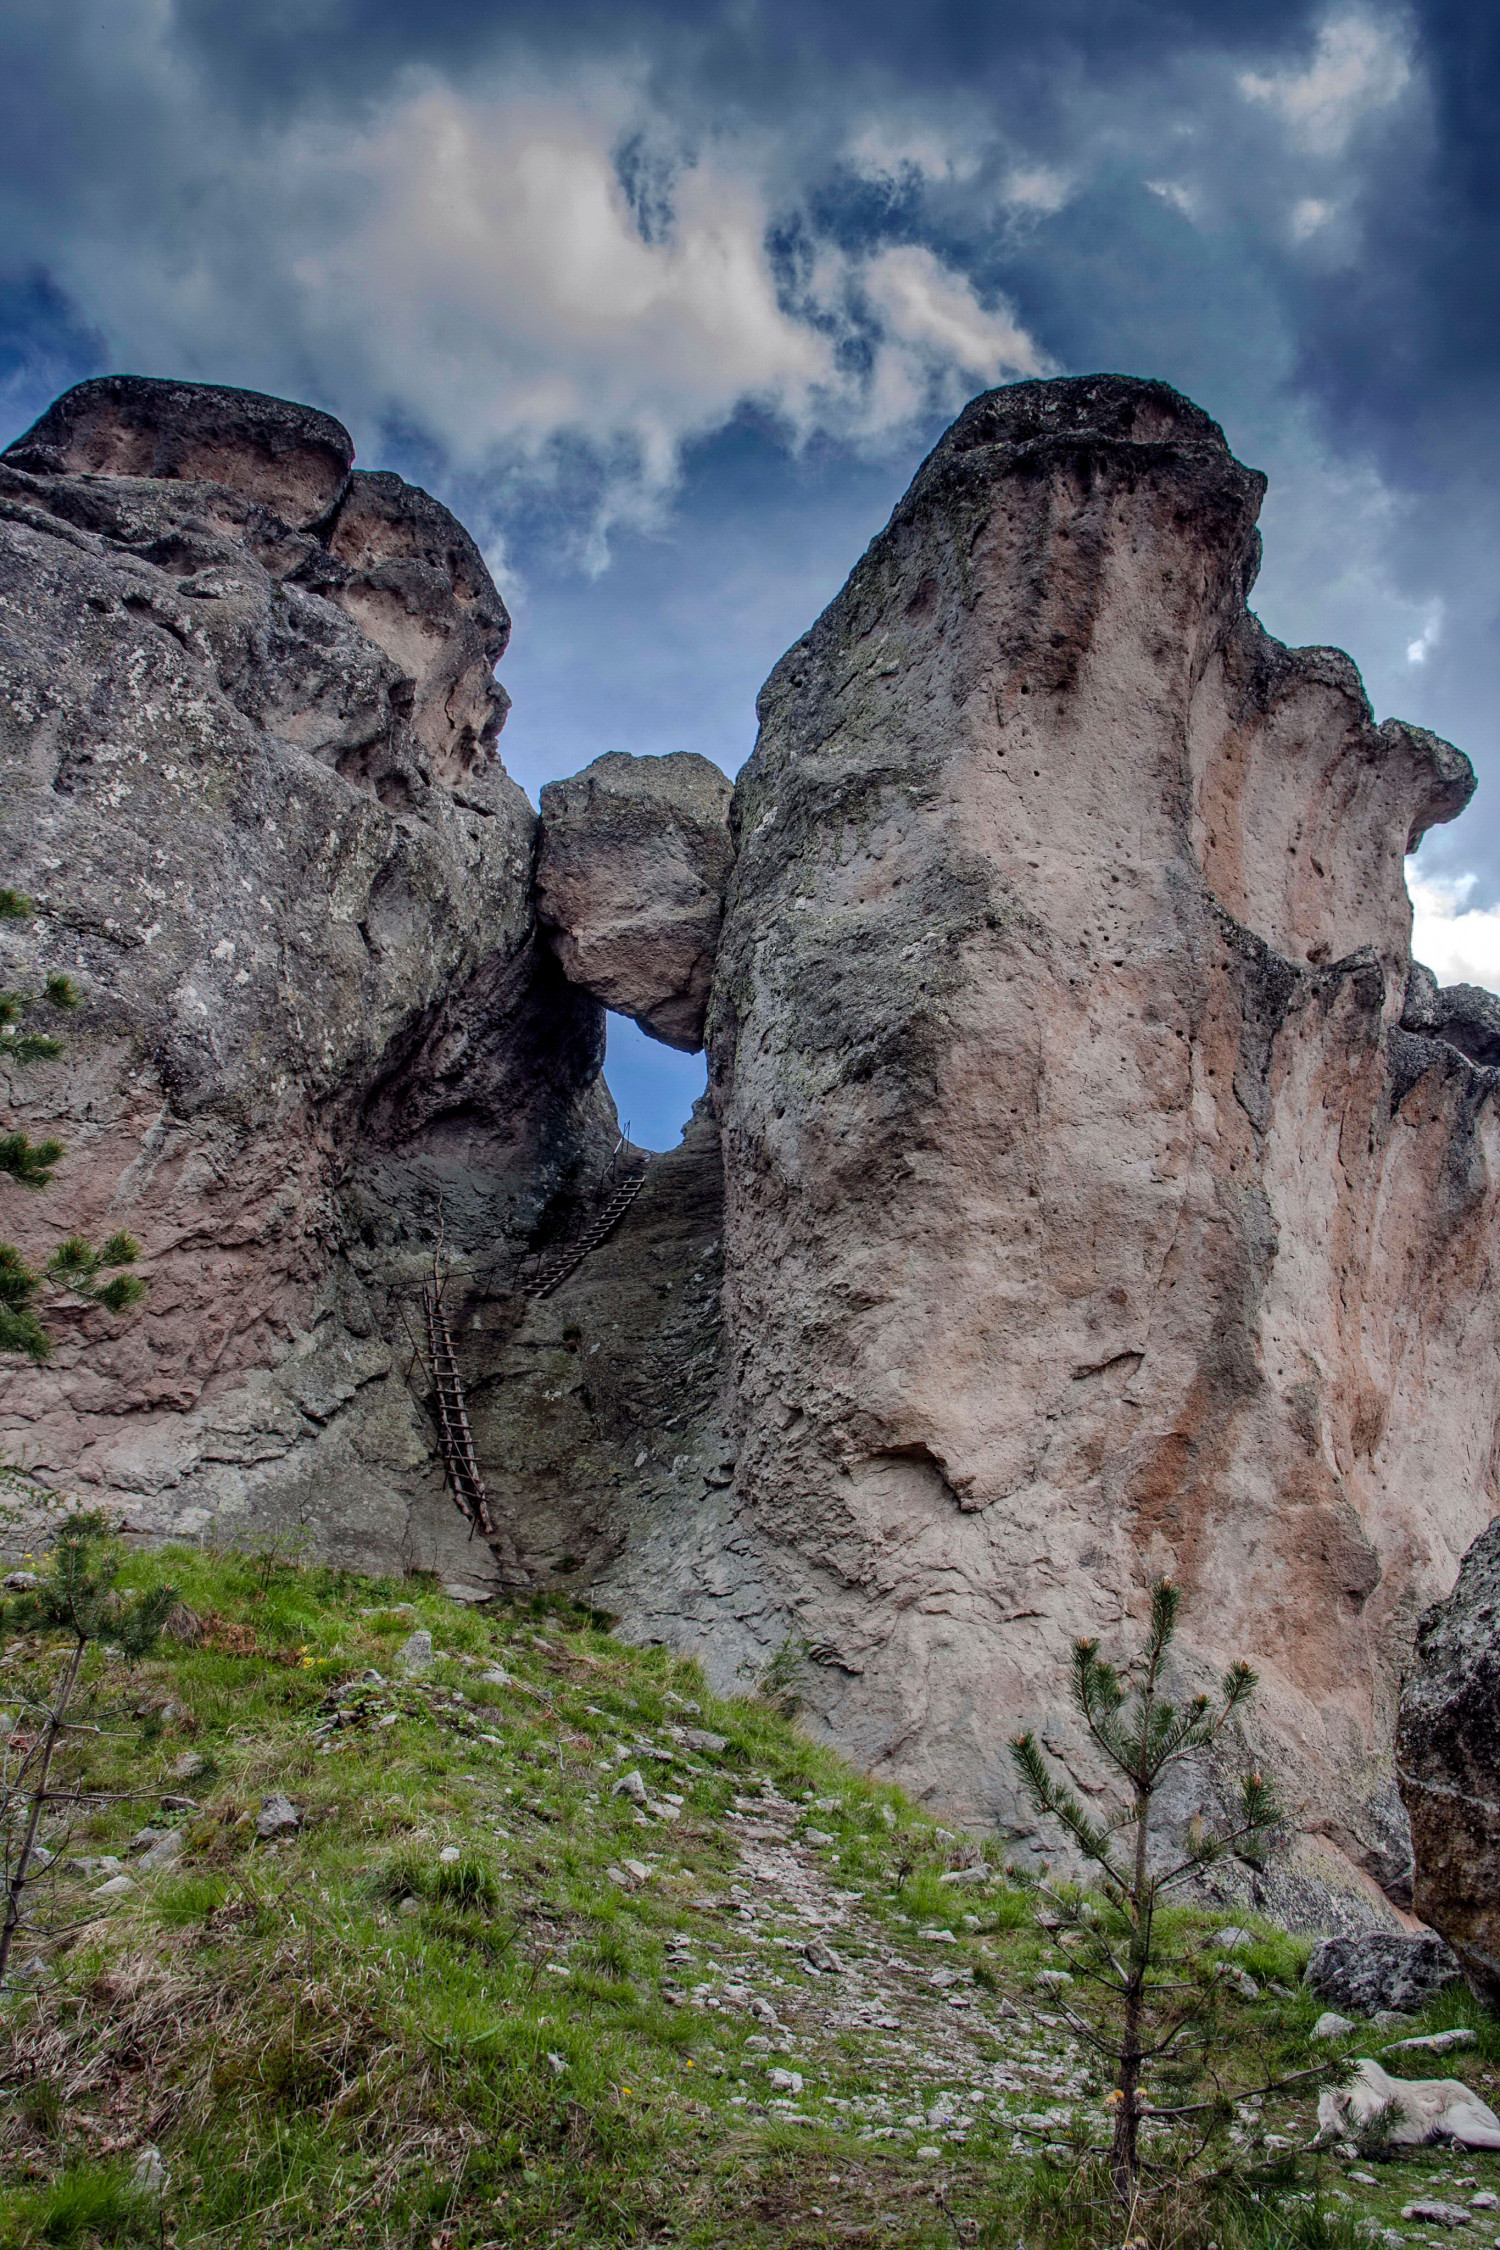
point(1253, 2093)
point(28, 1163)
point(1166, 1601)
point(1048, 1797)
point(1215, 1848)
point(77, 1266)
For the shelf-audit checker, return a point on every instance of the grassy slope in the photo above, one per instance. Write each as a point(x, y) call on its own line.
point(346, 2039)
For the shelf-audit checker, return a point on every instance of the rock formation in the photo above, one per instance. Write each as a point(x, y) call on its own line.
point(247, 771)
point(635, 855)
point(1089, 1186)
point(1464, 1015)
point(291, 459)
point(1089, 1212)
point(1448, 1761)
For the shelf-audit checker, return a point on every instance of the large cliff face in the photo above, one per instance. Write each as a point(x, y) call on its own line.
point(1089, 1187)
point(1089, 1214)
point(247, 772)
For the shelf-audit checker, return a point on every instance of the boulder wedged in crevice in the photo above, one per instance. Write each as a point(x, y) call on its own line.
point(633, 859)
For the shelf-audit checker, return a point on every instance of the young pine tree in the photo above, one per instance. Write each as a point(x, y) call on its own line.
point(77, 1596)
point(1150, 2008)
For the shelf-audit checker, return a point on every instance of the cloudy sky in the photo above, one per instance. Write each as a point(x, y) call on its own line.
point(668, 301)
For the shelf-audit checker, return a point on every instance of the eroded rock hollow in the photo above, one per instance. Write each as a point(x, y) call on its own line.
point(1088, 1186)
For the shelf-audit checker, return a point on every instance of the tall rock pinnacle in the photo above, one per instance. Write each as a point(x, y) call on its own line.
point(1090, 1217)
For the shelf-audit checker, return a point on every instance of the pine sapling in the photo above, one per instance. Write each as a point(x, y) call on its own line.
point(78, 1596)
point(1152, 2012)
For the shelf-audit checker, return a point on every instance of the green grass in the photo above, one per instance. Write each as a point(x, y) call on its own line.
point(445, 2013)
point(85, 2203)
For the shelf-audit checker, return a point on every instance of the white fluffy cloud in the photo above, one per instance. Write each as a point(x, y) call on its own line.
point(891, 150)
point(1038, 191)
point(1310, 213)
point(1359, 64)
point(933, 329)
point(1458, 942)
point(468, 264)
point(1187, 202)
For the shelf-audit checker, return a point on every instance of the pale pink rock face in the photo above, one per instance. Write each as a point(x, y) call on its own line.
point(1089, 1215)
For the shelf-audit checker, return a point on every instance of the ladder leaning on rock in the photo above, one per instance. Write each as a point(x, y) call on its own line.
point(434, 1350)
point(456, 1439)
point(556, 1269)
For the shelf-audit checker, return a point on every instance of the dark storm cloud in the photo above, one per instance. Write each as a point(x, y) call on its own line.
point(1387, 347)
point(735, 53)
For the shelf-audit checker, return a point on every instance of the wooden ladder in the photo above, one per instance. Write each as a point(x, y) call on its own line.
point(456, 1439)
point(556, 1269)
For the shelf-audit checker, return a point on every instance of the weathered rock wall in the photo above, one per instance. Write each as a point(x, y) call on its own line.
point(247, 772)
point(1448, 1752)
point(1089, 1214)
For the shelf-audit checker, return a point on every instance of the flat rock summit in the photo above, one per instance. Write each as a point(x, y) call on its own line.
point(1089, 1185)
